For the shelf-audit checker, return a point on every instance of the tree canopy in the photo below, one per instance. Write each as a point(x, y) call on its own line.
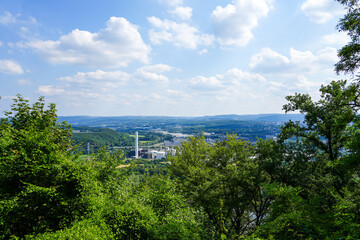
point(303, 185)
point(350, 53)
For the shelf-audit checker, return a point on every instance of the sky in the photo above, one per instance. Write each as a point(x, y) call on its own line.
point(167, 57)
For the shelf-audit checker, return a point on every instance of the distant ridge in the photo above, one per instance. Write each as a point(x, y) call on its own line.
point(96, 120)
point(271, 117)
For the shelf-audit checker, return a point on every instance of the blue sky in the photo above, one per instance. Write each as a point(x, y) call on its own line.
point(167, 57)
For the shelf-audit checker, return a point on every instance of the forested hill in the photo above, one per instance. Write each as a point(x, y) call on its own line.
point(101, 137)
point(248, 127)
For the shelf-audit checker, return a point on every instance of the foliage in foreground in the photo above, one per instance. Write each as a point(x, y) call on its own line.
point(49, 193)
point(305, 185)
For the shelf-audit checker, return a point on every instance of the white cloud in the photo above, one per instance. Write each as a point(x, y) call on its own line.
point(172, 3)
point(183, 13)
point(233, 24)
point(269, 61)
point(7, 19)
point(337, 39)
point(236, 76)
point(49, 90)
point(8, 97)
point(142, 76)
point(327, 55)
point(99, 77)
point(157, 97)
point(206, 83)
point(302, 58)
point(77, 98)
point(312, 63)
point(321, 11)
point(307, 85)
point(10, 67)
point(226, 83)
point(157, 68)
point(1, 43)
point(117, 45)
point(106, 81)
point(178, 94)
point(180, 34)
point(203, 51)
point(23, 82)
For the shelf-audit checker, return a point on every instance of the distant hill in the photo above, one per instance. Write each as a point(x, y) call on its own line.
point(248, 127)
point(99, 121)
point(258, 117)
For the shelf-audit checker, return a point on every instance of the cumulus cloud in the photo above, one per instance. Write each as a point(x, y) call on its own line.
point(157, 68)
point(49, 90)
point(99, 77)
point(233, 85)
point(269, 61)
point(117, 45)
point(8, 97)
point(7, 18)
point(152, 74)
point(178, 94)
point(183, 13)
point(120, 88)
point(145, 76)
point(321, 11)
point(234, 78)
point(109, 80)
point(180, 34)
point(307, 85)
point(172, 3)
point(203, 51)
point(337, 39)
point(10, 67)
point(310, 62)
point(23, 82)
point(233, 24)
point(206, 83)
point(77, 98)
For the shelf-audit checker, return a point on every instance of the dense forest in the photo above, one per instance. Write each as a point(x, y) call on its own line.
point(304, 185)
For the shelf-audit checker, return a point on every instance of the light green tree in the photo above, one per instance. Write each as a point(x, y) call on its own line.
point(41, 187)
point(223, 179)
point(350, 53)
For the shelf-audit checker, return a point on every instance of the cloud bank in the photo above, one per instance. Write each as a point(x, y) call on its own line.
point(117, 45)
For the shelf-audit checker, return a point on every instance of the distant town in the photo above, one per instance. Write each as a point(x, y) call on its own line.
point(155, 137)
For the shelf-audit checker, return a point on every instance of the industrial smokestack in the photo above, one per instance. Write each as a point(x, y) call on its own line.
point(136, 145)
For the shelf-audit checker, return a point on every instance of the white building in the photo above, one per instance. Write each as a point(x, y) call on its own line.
point(158, 154)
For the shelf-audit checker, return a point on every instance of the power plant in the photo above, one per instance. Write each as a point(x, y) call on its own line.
point(136, 144)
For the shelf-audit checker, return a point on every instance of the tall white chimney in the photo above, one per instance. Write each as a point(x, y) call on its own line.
point(136, 145)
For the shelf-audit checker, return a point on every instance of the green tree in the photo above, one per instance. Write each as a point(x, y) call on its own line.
point(41, 187)
point(225, 180)
point(326, 121)
point(314, 169)
point(350, 54)
point(150, 207)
